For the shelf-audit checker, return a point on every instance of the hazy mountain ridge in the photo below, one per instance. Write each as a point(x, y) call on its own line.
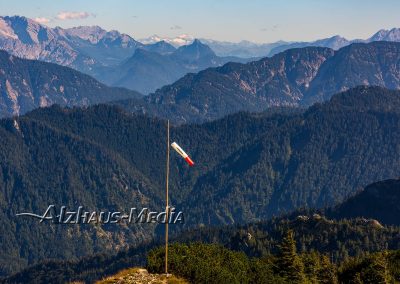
point(29, 84)
point(154, 66)
point(106, 47)
point(160, 47)
point(244, 49)
point(248, 49)
point(335, 42)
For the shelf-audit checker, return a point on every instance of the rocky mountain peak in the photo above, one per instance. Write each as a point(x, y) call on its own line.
point(195, 50)
point(90, 33)
point(25, 30)
point(161, 47)
point(386, 35)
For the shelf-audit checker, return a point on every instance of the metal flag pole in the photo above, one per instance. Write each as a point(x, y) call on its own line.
point(166, 204)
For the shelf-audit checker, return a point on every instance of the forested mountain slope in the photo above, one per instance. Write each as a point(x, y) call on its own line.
point(249, 167)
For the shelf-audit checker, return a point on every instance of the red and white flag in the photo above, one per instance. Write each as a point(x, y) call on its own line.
point(182, 153)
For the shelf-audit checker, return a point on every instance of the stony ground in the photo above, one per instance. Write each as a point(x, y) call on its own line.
point(140, 276)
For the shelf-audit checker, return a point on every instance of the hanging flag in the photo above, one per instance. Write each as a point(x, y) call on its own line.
point(182, 153)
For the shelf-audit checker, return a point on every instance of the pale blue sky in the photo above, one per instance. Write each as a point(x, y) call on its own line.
point(232, 20)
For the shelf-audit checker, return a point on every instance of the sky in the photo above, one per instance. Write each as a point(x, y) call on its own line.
point(261, 21)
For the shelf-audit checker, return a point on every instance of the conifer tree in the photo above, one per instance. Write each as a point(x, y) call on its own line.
point(311, 263)
point(327, 272)
point(377, 270)
point(357, 278)
point(290, 265)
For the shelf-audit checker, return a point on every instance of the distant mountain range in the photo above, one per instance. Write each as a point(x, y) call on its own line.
point(178, 41)
point(82, 48)
point(247, 49)
point(243, 49)
point(337, 42)
point(159, 64)
point(109, 56)
point(296, 77)
point(29, 84)
point(249, 167)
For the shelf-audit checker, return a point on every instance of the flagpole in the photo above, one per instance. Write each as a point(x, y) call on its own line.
point(166, 204)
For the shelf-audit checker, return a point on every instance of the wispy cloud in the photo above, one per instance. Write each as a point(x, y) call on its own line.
point(176, 27)
point(272, 28)
point(72, 15)
point(42, 20)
